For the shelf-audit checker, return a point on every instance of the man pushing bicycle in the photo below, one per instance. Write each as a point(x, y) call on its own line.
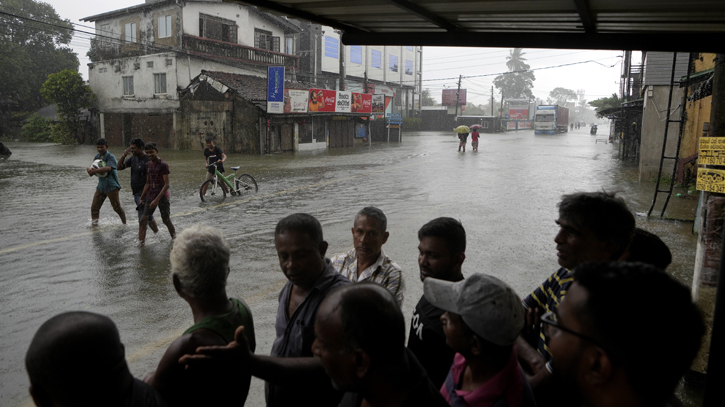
point(213, 154)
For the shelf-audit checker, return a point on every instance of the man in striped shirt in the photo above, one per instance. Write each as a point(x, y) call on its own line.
point(593, 226)
point(367, 261)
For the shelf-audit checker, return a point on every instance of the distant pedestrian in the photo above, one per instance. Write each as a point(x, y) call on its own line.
point(155, 192)
point(137, 163)
point(474, 140)
point(464, 138)
point(108, 185)
point(571, 126)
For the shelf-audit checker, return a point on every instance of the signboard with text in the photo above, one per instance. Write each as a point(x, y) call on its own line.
point(711, 180)
point(378, 102)
point(295, 101)
point(322, 100)
point(343, 102)
point(449, 97)
point(275, 89)
point(712, 151)
point(518, 109)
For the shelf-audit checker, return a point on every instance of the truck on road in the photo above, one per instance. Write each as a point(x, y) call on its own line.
point(551, 119)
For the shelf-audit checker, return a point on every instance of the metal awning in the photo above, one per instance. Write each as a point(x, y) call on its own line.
point(651, 25)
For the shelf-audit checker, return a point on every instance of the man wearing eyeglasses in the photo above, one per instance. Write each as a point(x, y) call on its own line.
point(593, 226)
point(613, 353)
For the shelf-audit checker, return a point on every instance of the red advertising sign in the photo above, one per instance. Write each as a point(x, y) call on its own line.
point(518, 114)
point(449, 97)
point(361, 103)
point(378, 102)
point(322, 100)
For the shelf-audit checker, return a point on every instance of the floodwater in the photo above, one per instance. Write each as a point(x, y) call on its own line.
point(505, 195)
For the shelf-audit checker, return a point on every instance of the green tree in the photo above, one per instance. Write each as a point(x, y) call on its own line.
point(561, 96)
point(474, 110)
point(34, 42)
point(519, 80)
point(37, 128)
point(606, 103)
point(67, 89)
point(427, 98)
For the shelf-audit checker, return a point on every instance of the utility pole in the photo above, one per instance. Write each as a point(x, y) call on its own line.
point(491, 100)
point(342, 61)
point(460, 77)
point(501, 112)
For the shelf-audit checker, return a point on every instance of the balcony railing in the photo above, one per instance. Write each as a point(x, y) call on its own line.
point(240, 53)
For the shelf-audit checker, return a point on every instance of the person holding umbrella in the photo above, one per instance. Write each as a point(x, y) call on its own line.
point(463, 136)
point(474, 136)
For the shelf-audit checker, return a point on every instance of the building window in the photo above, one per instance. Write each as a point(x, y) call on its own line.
point(376, 60)
point(129, 32)
point(169, 61)
point(164, 26)
point(408, 67)
point(160, 83)
point(393, 63)
point(216, 28)
point(263, 39)
point(409, 47)
point(128, 86)
point(332, 47)
point(289, 45)
point(356, 54)
point(150, 64)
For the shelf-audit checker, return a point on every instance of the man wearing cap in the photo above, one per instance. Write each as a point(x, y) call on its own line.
point(593, 226)
point(483, 318)
point(441, 254)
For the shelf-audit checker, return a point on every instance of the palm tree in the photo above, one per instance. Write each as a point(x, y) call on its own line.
point(519, 80)
point(515, 60)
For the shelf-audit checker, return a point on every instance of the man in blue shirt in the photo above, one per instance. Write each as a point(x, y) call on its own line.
point(108, 185)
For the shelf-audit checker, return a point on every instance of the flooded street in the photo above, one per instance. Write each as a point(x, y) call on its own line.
point(505, 195)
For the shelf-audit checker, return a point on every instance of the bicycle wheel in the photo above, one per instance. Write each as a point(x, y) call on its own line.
point(246, 185)
point(214, 193)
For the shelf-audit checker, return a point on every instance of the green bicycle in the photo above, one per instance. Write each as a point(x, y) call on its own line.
point(216, 188)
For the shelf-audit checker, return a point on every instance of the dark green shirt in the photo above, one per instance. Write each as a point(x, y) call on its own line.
point(224, 325)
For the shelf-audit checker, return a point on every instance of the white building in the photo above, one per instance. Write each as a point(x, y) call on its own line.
point(143, 54)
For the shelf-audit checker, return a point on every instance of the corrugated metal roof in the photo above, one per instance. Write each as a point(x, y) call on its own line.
point(658, 67)
point(653, 25)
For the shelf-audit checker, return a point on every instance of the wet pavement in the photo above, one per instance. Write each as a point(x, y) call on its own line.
point(505, 195)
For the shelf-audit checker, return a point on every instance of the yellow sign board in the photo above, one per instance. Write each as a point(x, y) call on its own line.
point(712, 151)
point(711, 180)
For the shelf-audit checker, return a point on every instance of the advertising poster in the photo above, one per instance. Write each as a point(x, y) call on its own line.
point(449, 97)
point(361, 103)
point(712, 151)
point(295, 101)
point(322, 100)
point(275, 89)
point(378, 106)
point(711, 180)
point(343, 102)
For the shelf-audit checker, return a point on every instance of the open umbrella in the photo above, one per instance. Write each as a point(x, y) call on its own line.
point(462, 129)
point(475, 126)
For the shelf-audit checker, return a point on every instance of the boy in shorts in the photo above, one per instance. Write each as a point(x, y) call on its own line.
point(155, 192)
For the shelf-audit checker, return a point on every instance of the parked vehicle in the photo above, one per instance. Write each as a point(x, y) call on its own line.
point(551, 119)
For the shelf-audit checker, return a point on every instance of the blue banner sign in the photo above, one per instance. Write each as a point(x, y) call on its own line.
point(275, 84)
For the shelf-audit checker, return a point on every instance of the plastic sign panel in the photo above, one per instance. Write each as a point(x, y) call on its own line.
point(711, 180)
point(378, 102)
point(343, 102)
point(712, 151)
point(275, 89)
point(518, 109)
point(322, 100)
point(295, 101)
point(449, 97)
point(361, 103)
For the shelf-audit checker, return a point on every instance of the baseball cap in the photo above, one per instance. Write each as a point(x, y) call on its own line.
point(490, 307)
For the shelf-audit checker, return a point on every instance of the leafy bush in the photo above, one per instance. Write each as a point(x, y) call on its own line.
point(411, 123)
point(37, 129)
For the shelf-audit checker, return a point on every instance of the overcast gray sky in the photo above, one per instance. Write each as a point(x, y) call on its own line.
point(441, 66)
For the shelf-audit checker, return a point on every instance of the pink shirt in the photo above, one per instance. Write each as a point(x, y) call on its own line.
point(474, 136)
point(507, 383)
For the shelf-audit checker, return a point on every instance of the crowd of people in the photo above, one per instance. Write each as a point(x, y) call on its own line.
point(589, 335)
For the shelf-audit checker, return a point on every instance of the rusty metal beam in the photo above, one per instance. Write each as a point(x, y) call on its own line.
point(425, 14)
point(668, 42)
point(297, 13)
point(583, 8)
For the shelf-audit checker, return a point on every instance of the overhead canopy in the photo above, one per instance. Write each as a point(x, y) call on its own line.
point(651, 25)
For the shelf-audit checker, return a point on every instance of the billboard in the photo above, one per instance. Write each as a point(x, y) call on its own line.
point(275, 89)
point(449, 97)
point(295, 101)
point(343, 102)
point(322, 100)
point(518, 109)
point(361, 103)
point(378, 104)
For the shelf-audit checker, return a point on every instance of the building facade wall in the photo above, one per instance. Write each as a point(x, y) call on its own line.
point(654, 114)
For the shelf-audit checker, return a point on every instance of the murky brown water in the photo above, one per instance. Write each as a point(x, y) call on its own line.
point(505, 195)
